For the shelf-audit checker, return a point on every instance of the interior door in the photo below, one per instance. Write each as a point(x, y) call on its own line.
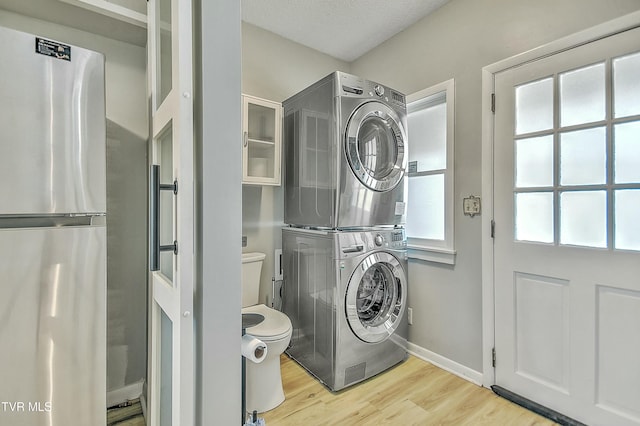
point(567, 239)
point(171, 339)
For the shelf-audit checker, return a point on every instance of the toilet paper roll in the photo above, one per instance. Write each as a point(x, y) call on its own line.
point(253, 349)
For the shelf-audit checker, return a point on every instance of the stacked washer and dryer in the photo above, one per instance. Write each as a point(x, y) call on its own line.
point(344, 249)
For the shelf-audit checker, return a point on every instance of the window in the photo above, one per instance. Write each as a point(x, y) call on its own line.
point(430, 201)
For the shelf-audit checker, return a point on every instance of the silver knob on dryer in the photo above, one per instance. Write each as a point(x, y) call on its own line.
point(378, 240)
point(379, 90)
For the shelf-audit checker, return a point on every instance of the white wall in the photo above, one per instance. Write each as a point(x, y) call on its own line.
point(276, 68)
point(456, 41)
point(126, 109)
point(273, 68)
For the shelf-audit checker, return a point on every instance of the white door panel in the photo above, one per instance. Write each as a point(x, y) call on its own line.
point(567, 293)
point(171, 338)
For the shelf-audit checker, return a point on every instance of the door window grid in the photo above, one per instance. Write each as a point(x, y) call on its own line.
point(604, 193)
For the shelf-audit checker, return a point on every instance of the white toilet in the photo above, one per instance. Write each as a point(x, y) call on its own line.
point(264, 382)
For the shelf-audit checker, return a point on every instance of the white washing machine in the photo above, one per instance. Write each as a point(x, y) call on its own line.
point(345, 144)
point(346, 296)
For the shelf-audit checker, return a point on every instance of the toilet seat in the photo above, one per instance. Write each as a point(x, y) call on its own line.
point(276, 325)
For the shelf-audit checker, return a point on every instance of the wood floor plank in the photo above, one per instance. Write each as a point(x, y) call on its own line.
point(412, 393)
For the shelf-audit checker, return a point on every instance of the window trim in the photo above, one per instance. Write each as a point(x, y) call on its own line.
point(440, 251)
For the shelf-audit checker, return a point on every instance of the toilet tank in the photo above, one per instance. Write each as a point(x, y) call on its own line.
point(251, 268)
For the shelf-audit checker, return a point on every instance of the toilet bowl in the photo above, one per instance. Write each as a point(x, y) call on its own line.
point(264, 382)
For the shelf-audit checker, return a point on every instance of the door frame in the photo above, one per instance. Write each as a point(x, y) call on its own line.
point(589, 35)
point(217, 28)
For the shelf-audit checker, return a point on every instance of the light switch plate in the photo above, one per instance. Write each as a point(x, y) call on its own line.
point(471, 206)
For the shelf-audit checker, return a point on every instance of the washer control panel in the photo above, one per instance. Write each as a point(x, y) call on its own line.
point(398, 239)
point(354, 243)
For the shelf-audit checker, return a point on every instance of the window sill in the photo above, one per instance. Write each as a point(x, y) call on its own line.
point(437, 255)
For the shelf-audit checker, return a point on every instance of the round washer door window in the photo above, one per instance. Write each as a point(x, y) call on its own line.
point(375, 148)
point(375, 299)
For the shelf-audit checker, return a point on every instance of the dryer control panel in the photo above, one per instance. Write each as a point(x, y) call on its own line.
point(397, 239)
point(353, 86)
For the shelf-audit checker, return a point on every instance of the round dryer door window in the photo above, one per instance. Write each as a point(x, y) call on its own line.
point(375, 145)
point(375, 299)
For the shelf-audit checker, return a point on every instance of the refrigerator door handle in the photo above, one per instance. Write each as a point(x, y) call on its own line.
point(154, 217)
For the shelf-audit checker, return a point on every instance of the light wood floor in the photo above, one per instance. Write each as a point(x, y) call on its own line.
point(412, 393)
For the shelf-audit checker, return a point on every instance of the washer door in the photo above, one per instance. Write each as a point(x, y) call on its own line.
point(376, 297)
point(375, 146)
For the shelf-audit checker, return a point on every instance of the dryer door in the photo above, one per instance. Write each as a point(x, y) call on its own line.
point(375, 146)
point(376, 297)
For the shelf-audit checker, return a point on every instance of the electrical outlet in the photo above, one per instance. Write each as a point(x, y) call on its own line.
point(410, 316)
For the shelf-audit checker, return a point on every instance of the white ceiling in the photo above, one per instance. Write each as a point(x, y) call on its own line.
point(68, 15)
point(344, 29)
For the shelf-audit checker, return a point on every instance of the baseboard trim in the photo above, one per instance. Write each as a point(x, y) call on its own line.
point(123, 394)
point(446, 364)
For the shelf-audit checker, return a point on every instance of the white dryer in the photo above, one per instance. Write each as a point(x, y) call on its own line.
point(345, 144)
point(345, 293)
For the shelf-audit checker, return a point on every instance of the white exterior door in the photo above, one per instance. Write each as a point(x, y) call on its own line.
point(171, 338)
point(567, 233)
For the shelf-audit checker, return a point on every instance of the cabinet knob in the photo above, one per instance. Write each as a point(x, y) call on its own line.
point(246, 139)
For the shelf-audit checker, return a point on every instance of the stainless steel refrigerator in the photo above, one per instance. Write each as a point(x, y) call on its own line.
point(52, 233)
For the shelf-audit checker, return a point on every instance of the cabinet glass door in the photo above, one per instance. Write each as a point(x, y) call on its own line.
point(261, 141)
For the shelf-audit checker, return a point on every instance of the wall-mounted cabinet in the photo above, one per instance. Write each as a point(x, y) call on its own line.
point(261, 141)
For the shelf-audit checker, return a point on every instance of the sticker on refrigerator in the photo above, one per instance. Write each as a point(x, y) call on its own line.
point(400, 206)
point(53, 49)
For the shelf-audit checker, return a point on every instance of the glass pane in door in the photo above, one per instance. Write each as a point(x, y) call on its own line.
point(583, 218)
point(166, 368)
point(626, 85)
point(627, 207)
point(261, 122)
point(163, 66)
point(583, 157)
point(165, 159)
point(534, 162)
point(534, 106)
point(582, 95)
point(534, 217)
point(627, 152)
point(261, 147)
